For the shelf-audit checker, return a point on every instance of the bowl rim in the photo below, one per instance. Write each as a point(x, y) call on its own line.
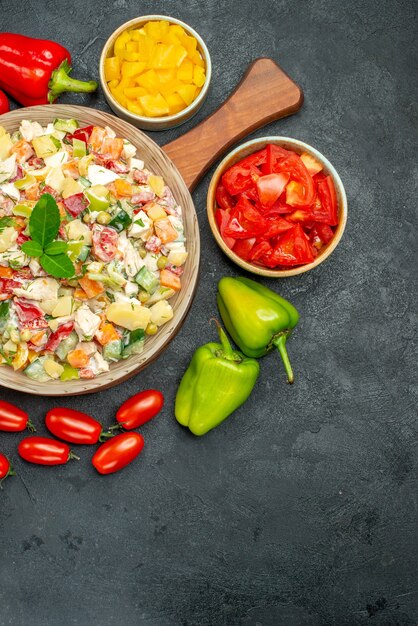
point(258, 143)
point(177, 117)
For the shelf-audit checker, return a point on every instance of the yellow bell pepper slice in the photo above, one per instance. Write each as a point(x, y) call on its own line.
point(185, 71)
point(154, 105)
point(187, 93)
point(120, 43)
point(199, 76)
point(131, 69)
point(175, 103)
point(112, 68)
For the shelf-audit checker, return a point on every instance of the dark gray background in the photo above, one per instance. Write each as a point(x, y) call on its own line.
point(301, 510)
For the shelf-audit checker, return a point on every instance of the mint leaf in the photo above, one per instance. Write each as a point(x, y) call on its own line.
point(58, 265)
point(32, 248)
point(56, 247)
point(45, 220)
point(4, 222)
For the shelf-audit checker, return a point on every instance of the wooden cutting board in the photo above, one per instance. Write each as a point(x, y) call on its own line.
point(265, 93)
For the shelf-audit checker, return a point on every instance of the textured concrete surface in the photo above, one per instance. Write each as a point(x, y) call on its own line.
point(301, 510)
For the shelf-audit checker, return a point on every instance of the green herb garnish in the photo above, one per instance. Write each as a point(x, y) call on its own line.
point(44, 224)
point(4, 222)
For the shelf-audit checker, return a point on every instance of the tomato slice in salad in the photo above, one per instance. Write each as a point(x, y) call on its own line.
point(105, 243)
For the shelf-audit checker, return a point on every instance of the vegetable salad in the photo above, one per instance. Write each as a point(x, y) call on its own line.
point(92, 248)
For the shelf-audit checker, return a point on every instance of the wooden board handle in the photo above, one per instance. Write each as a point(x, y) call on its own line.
point(265, 93)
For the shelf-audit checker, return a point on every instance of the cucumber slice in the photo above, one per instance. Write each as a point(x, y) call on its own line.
point(112, 351)
point(146, 280)
point(36, 371)
point(68, 126)
point(135, 344)
point(66, 345)
point(84, 181)
point(79, 148)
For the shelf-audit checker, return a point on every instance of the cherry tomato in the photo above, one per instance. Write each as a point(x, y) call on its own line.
point(105, 243)
point(118, 452)
point(14, 420)
point(45, 451)
point(74, 426)
point(140, 409)
point(5, 468)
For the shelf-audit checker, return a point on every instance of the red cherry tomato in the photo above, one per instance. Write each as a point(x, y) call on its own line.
point(12, 419)
point(45, 451)
point(140, 409)
point(118, 452)
point(74, 426)
point(5, 468)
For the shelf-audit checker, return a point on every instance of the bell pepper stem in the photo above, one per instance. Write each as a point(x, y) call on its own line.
point(60, 81)
point(227, 350)
point(280, 343)
point(73, 456)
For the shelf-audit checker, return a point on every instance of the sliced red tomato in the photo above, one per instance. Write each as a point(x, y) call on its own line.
point(276, 226)
point(245, 221)
point(321, 232)
point(223, 199)
point(273, 155)
point(270, 187)
point(312, 165)
point(261, 249)
point(328, 198)
point(222, 217)
point(243, 247)
point(76, 204)
point(276, 207)
point(241, 176)
point(293, 248)
point(105, 243)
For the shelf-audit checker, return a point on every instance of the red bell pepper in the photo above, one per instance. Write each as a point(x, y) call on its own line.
point(4, 103)
point(61, 333)
point(82, 134)
point(36, 71)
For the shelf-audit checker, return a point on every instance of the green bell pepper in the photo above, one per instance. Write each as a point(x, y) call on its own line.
point(257, 318)
point(217, 381)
